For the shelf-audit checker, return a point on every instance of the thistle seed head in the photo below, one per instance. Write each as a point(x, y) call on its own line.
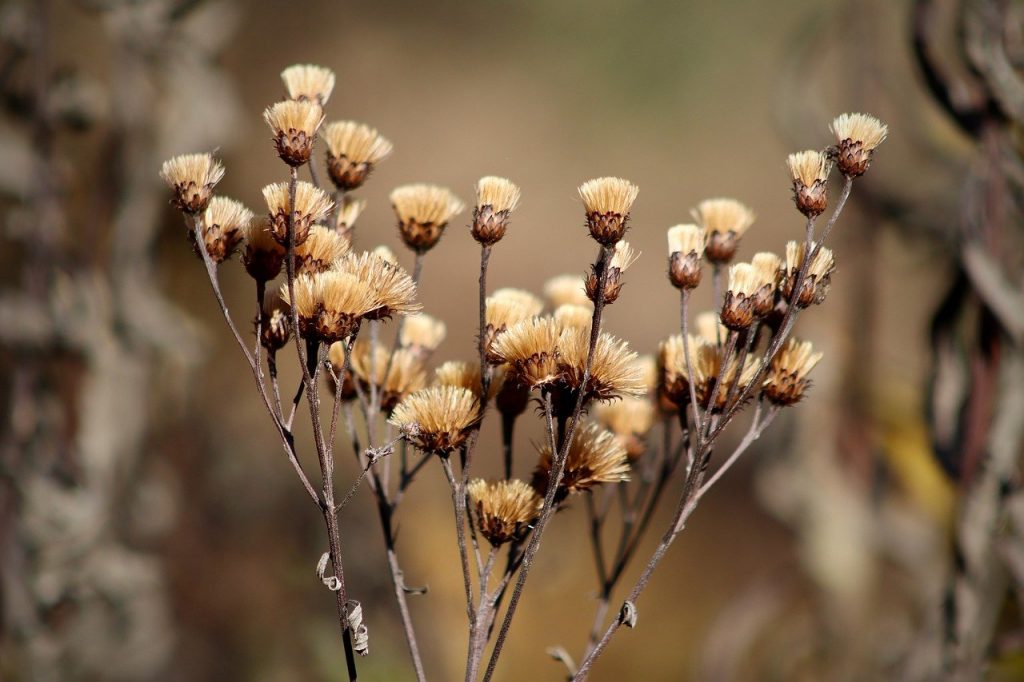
point(608, 202)
point(423, 212)
point(192, 177)
point(809, 170)
point(496, 198)
point(726, 221)
point(308, 82)
point(353, 151)
point(857, 136)
point(786, 381)
point(311, 206)
point(294, 124)
point(437, 420)
point(504, 509)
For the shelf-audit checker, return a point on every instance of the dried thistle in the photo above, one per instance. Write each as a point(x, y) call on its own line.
point(294, 124)
point(422, 334)
point(496, 198)
point(571, 316)
point(621, 259)
point(595, 456)
point(192, 177)
point(504, 308)
point(530, 348)
point(818, 280)
point(348, 212)
point(467, 375)
point(504, 509)
point(393, 290)
point(330, 305)
point(567, 290)
point(311, 206)
point(809, 170)
point(263, 256)
point(225, 223)
point(786, 381)
point(321, 250)
point(673, 384)
point(709, 327)
point(353, 151)
point(767, 266)
point(308, 82)
point(395, 377)
point(423, 212)
point(685, 252)
point(336, 355)
point(630, 419)
point(385, 254)
point(857, 136)
point(726, 221)
point(437, 420)
point(745, 285)
point(607, 202)
point(613, 372)
point(275, 324)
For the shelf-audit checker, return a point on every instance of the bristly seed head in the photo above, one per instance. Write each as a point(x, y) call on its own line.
point(394, 292)
point(530, 348)
point(467, 375)
point(275, 323)
point(295, 124)
point(809, 170)
point(767, 265)
point(263, 257)
point(816, 283)
point(504, 509)
point(423, 212)
point(349, 211)
point(504, 308)
point(394, 376)
point(786, 381)
point(225, 224)
point(595, 457)
point(621, 259)
point(614, 372)
point(857, 136)
point(566, 290)
point(422, 334)
point(311, 206)
point(437, 420)
point(686, 245)
point(308, 82)
point(570, 316)
point(630, 419)
point(321, 250)
point(496, 198)
point(608, 202)
point(745, 284)
point(353, 151)
point(330, 305)
point(726, 221)
point(192, 177)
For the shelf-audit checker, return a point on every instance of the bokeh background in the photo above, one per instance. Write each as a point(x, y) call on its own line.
point(140, 471)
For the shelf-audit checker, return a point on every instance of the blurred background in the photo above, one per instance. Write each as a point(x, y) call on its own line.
point(150, 528)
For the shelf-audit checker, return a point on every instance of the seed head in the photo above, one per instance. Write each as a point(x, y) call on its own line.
point(330, 305)
point(710, 328)
point(530, 348)
point(726, 220)
point(613, 372)
point(294, 124)
point(809, 170)
point(311, 206)
point(767, 265)
point(263, 256)
point(857, 136)
point(385, 254)
point(321, 250)
point(225, 223)
point(566, 290)
point(275, 324)
point(308, 82)
point(423, 212)
point(504, 308)
point(192, 177)
point(787, 381)
point(571, 316)
point(746, 286)
point(673, 387)
point(504, 509)
point(395, 377)
point(608, 202)
point(353, 151)
point(394, 292)
point(630, 419)
point(685, 250)
point(348, 212)
point(467, 375)
point(336, 354)
point(819, 275)
point(422, 334)
point(437, 420)
point(623, 256)
point(595, 457)
point(496, 198)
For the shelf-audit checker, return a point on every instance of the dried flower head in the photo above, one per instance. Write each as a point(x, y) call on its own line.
point(647, 369)
point(263, 257)
point(685, 251)
point(630, 419)
point(623, 256)
point(385, 254)
point(496, 198)
point(809, 170)
point(709, 327)
point(726, 220)
point(275, 323)
point(311, 206)
point(330, 305)
point(393, 290)
point(336, 355)
point(767, 265)
point(353, 151)
point(467, 375)
point(857, 136)
point(673, 386)
point(504, 509)
point(394, 376)
point(530, 348)
point(571, 316)
point(192, 177)
point(225, 224)
point(423, 212)
point(613, 372)
point(437, 420)
point(746, 286)
point(608, 202)
point(566, 290)
point(504, 308)
point(294, 124)
point(816, 283)
point(321, 250)
point(422, 334)
point(308, 82)
point(595, 456)
point(348, 212)
point(786, 381)
point(706, 361)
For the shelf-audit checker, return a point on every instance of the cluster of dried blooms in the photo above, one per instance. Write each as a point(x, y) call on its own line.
point(599, 400)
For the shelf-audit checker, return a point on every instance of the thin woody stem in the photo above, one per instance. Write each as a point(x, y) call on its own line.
point(458, 501)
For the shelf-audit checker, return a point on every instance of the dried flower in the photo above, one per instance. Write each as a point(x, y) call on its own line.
point(437, 420)
point(275, 324)
point(710, 328)
point(308, 82)
point(567, 290)
point(818, 280)
point(608, 202)
point(496, 198)
point(395, 376)
point(706, 361)
point(630, 419)
point(767, 265)
point(857, 136)
point(613, 372)
point(810, 170)
point(192, 177)
point(504, 509)
point(786, 381)
point(422, 334)
point(595, 457)
point(353, 151)
point(685, 250)
point(647, 370)
point(393, 290)
point(225, 223)
point(311, 206)
point(726, 220)
point(745, 285)
point(263, 257)
point(673, 386)
point(348, 212)
point(571, 316)
point(504, 308)
point(385, 254)
point(294, 124)
point(321, 250)
point(467, 375)
point(336, 355)
point(330, 305)
point(423, 212)
point(621, 259)
point(530, 348)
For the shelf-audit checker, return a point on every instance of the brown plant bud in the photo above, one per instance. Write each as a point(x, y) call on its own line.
point(225, 223)
point(623, 257)
point(192, 177)
point(262, 257)
point(423, 212)
point(810, 171)
point(496, 198)
point(816, 283)
point(348, 212)
point(294, 124)
point(726, 221)
point(504, 308)
point(330, 305)
point(308, 83)
point(353, 151)
point(275, 323)
point(744, 285)
point(530, 348)
point(504, 509)
point(857, 136)
point(608, 202)
point(437, 420)
point(595, 457)
point(322, 249)
point(513, 398)
point(786, 381)
point(685, 250)
point(766, 267)
point(311, 205)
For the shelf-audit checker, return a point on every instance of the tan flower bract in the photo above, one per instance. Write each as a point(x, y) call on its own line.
point(530, 348)
point(192, 177)
point(496, 198)
point(786, 381)
point(225, 224)
point(595, 457)
point(321, 250)
point(294, 124)
point(857, 137)
point(311, 206)
point(437, 420)
point(809, 170)
point(504, 509)
point(608, 202)
point(613, 373)
point(726, 221)
point(353, 151)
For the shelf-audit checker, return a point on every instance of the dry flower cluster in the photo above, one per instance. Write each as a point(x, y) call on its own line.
point(600, 401)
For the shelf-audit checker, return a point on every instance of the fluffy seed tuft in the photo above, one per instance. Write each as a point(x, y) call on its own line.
point(423, 212)
point(308, 82)
point(192, 177)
